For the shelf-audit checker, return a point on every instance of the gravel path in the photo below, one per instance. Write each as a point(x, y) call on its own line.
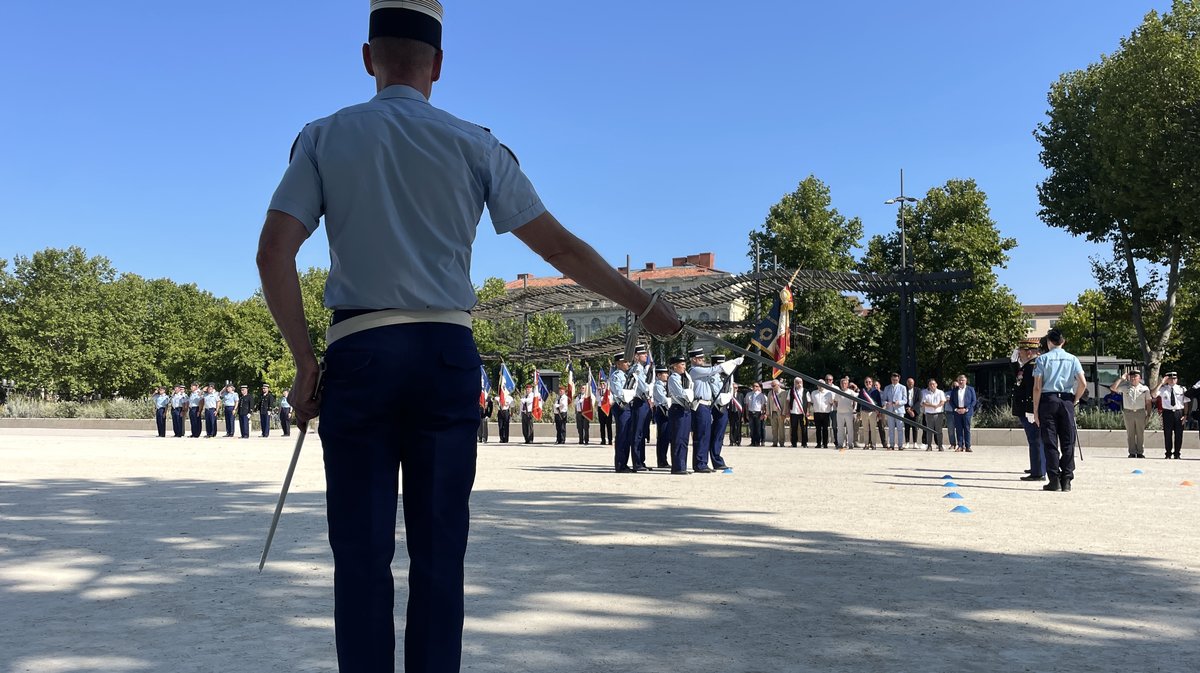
point(121, 552)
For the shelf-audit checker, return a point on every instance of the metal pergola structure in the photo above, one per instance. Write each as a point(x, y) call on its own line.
point(518, 303)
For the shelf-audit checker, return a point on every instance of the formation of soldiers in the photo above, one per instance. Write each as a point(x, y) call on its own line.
point(201, 408)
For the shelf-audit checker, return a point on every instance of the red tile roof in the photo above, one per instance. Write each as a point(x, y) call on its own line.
point(657, 274)
point(1043, 308)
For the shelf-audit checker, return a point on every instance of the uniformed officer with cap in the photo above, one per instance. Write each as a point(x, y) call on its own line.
point(706, 389)
point(639, 408)
point(244, 406)
point(195, 408)
point(229, 399)
point(682, 395)
point(211, 401)
point(1173, 400)
point(720, 384)
point(662, 419)
point(624, 389)
point(401, 186)
point(178, 410)
point(1058, 383)
point(161, 403)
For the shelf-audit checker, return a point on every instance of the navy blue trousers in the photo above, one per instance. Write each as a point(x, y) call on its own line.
point(681, 425)
point(701, 433)
point(622, 436)
point(1037, 457)
point(662, 423)
point(210, 422)
point(177, 421)
point(1057, 416)
point(720, 419)
point(160, 420)
point(194, 418)
point(960, 429)
point(264, 422)
point(244, 425)
point(366, 463)
point(639, 422)
point(285, 421)
point(228, 421)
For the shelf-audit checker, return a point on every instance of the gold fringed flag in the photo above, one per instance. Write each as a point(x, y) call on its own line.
point(773, 334)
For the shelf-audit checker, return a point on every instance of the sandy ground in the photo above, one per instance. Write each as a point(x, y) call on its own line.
point(122, 552)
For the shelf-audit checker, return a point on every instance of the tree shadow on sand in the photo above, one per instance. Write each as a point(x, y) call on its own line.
point(160, 575)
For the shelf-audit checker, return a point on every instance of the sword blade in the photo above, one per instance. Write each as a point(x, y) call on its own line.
point(287, 482)
point(817, 382)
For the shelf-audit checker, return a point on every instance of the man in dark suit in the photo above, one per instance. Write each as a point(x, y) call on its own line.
point(485, 415)
point(962, 405)
point(266, 402)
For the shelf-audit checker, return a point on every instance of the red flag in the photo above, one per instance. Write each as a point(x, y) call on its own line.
point(537, 395)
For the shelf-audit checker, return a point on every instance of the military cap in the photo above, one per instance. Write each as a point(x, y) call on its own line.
point(696, 353)
point(661, 370)
point(678, 359)
point(412, 19)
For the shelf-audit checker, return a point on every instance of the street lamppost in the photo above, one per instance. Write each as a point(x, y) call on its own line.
point(908, 341)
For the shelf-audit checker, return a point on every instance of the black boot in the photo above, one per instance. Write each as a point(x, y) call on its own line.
point(1053, 485)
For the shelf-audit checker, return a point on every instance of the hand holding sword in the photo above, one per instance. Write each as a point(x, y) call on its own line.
point(307, 407)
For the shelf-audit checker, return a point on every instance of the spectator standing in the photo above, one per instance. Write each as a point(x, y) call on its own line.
point(895, 400)
point(962, 404)
point(820, 403)
point(756, 413)
point(933, 407)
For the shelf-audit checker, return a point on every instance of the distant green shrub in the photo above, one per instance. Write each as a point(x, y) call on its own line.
point(139, 409)
point(27, 407)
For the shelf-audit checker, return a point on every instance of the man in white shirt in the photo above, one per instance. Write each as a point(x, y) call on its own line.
point(582, 425)
point(527, 414)
point(1136, 407)
point(820, 402)
point(1174, 402)
point(756, 407)
point(933, 405)
point(561, 404)
point(846, 411)
point(895, 400)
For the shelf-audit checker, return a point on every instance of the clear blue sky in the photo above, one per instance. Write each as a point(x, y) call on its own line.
point(154, 133)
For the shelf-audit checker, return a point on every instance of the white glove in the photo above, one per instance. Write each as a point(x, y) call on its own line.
point(1197, 385)
point(728, 366)
point(1016, 355)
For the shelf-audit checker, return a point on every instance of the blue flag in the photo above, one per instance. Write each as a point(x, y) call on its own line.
point(506, 379)
point(484, 382)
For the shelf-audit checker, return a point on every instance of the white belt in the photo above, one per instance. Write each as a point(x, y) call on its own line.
point(709, 402)
point(393, 316)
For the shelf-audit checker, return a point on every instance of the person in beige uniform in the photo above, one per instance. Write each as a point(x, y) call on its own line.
point(1136, 406)
point(776, 408)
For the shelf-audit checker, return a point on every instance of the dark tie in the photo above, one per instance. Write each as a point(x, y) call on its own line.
point(1172, 397)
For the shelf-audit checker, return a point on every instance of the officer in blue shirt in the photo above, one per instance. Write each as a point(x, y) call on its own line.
point(720, 381)
point(639, 408)
point(624, 388)
point(285, 413)
point(178, 408)
point(683, 395)
point(195, 409)
point(702, 409)
point(229, 399)
point(161, 403)
point(1058, 383)
point(211, 401)
point(401, 186)
point(662, 419)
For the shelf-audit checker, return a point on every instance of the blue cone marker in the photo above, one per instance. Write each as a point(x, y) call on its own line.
point(953, 496)
point(728, 470)
point(960, 510)
point(946, 476)
point(1138, 472)
point(950, 484)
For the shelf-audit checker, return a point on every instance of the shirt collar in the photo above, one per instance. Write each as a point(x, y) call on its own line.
point(401, 91)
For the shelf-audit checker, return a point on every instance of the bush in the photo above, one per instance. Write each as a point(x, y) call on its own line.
point(66, 410)
point(996, 417)
point(140, 409)
point(27, 407)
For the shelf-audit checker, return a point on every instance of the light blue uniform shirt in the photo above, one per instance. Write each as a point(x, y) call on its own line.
point(660, 393)
point(616, 383)
point(177, 400)
point(402, 186)
point(638, 371)
point(210, 401)
point(1058, 370)
point(283, 403)
point(702, 378)
point(675, 388)
point(161, 401)
point(194, 399)
point(230, 399)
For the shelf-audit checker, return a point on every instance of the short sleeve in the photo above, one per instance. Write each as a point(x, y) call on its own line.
point(511, 198)
point(299, 193)
point(1038, 369)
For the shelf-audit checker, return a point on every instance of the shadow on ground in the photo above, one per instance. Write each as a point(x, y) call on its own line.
point(141, 575)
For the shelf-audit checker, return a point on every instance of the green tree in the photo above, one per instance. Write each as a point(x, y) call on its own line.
point(950, 229)
point(1111, 319)
point(804, 231)
point(1123, 152)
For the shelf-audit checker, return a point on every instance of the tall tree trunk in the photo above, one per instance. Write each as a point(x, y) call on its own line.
point(1168, 318)
point(1135, 293)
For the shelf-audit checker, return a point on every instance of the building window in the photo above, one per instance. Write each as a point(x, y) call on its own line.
point(674, 288)
point(704, 316)
point(1053, 323)
point(1030, 324)
point(595, 325)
